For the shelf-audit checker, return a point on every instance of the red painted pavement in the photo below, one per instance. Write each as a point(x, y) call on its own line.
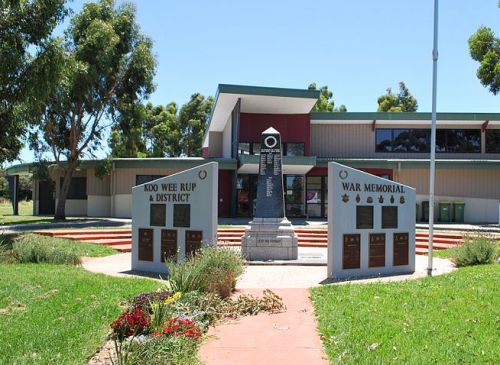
point(284, 338)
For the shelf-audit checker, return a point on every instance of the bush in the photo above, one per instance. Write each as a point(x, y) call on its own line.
point(169, 350)
point(475, 251)
point(212, 270)
point(32, 248)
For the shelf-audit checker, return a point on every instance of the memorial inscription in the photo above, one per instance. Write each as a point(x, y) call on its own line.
point(158, 215)
point(389, 217)
point(193, 242)
point(364, 217)
point(351, 253)
point(270, 202)
point(145, 244)
point(182, 215)
point(400, 249)
point(168, 244)
point(377, 250)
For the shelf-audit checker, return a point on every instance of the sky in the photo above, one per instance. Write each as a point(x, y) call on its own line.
point(359, 48)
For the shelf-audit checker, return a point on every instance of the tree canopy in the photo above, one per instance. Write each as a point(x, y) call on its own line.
point(484, 47)
point(163, 131)
point(325, 101)
point(403, 101)
point(105, 68)
point(25, 66)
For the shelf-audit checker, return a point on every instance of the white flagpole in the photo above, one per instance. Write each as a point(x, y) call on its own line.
point(433, 139)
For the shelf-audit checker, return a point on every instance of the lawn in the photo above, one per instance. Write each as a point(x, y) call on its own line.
point(25, 214)
point(58, 314)
point(449, 319)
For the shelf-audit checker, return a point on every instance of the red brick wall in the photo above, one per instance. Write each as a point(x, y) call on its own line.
point(292, 127)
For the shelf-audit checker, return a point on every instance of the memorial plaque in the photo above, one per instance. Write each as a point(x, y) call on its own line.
point(270, 200)
point(158, 215)
point(400, 249)
point(168, 244)
point(377, 250)
point(193, 242)
point(351, 253)
point(389, 217)
point(364, 217)
point(145, 244)
point(182, 215)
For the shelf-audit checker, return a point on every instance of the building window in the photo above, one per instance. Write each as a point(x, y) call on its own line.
point(288, 148)
point(418, 140)
point(244, 148)
point(294, 195)
point(493, 141)
point(293, 149)
point(142, 179)
point(458, 140)
point(77, 188)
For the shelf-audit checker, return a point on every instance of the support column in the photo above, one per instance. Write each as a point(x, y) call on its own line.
point(14, 193)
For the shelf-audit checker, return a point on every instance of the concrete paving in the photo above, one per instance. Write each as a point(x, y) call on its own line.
point(270, 276)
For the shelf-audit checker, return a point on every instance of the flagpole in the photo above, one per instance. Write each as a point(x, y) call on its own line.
point(433, 140)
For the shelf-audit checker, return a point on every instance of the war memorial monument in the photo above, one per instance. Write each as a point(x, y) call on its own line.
point(270, 235)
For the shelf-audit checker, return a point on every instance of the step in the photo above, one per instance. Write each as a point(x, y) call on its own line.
point(110, 241)
point(440, 235)
point(440, 240)
point(60, 233)
point(123, 248)
point(436, 246)
point(89, 237)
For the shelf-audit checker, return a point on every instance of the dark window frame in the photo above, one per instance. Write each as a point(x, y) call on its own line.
point(495, 138)
point(76, 183)
point(151, 178)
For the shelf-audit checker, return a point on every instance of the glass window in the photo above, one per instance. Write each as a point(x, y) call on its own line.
point(294, 149)
point(493, 141)
point(294, 195)
point(246, 187)
point(420, 140)
point(314, 196)
point(458, 140)
point(142, 179)
point(256, 148)
point(244, 148)
point(383, 140)
point(77, 188)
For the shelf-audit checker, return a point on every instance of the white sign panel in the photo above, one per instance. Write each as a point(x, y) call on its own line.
point(174, 216)
point(371, 224)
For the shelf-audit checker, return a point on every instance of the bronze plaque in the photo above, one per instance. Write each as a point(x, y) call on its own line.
point(400, 249)
point(193, 242)
point(377, 250)
point(168, 244)
point(389, 217)
point(158, 215)
point(145, 244)
point(351, 253)
point(364, 217)
point(182, 215)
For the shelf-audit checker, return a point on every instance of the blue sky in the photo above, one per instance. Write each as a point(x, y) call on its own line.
point(358, 48)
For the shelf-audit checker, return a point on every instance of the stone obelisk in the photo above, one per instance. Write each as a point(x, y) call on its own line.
point(270, 235)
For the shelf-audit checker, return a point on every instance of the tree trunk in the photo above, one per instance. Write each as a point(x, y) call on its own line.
point(63, 191)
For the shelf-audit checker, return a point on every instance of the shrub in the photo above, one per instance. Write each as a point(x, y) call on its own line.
point(35, 249)
point(212, 270)
point(170, 350)
point(475, 251)
point(131, 322)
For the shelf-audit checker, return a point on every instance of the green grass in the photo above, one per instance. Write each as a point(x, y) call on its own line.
point(25, 214)
point(46, 245)
point(58, 314)
point(450, 319)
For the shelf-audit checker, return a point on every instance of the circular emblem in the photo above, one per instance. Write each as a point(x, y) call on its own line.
point(270, 141)
point(343, 174)
point(202, 174)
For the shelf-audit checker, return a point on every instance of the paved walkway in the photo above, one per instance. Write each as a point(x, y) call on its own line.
point(287, 338)
point(268, 339)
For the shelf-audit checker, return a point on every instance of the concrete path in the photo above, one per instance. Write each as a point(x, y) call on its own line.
point(289, 337)
point(284, 338)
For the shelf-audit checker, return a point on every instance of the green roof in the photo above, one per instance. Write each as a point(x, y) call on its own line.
point(267, 91)
point(402, 116)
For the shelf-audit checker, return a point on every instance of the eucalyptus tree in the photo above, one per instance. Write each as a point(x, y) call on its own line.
point(104, 66)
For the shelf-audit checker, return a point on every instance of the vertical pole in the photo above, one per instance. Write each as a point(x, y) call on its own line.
point(433, 139)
